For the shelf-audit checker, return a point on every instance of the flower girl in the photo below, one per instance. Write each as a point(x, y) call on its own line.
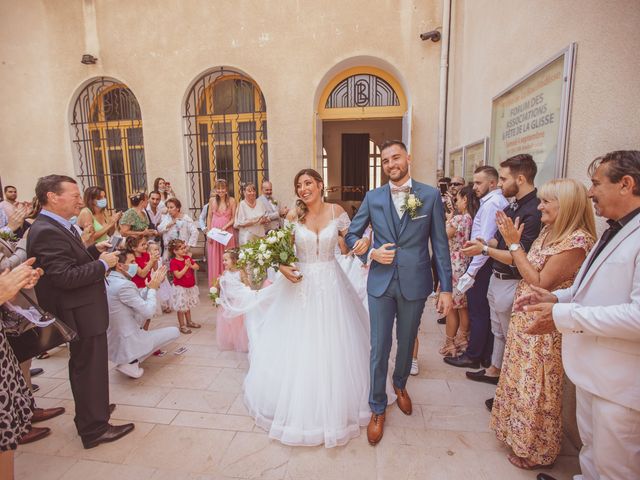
point(231, 333)
point(184, 295)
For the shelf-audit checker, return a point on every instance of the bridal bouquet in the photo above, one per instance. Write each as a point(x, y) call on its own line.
point(214, 295)
point(270, 251)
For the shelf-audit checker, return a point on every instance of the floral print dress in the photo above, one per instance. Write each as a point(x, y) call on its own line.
point(527, 408)
point(459, 262)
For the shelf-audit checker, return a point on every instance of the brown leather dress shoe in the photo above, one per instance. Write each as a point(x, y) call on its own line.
point(403, 401)
point(113, 433)
point(42, 414)
point(33, 435)
point(375, 428)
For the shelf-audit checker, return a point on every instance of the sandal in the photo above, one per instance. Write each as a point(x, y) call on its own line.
point(193, 325)
point(184, 329)
point(448, 348)
point(461, 341)
point(525, 464)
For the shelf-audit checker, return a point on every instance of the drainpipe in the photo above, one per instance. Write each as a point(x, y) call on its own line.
point(444, 86)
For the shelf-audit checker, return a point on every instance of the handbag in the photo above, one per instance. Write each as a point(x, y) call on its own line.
point(37, 340)
point(14, 323)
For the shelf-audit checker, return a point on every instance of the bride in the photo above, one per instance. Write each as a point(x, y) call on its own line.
point(308, 379)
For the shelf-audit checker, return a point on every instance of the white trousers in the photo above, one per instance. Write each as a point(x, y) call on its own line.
point(160, 337)
point(610, 434)
point(500, 296)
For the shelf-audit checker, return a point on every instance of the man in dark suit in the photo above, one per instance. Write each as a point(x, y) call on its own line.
point(73, 289)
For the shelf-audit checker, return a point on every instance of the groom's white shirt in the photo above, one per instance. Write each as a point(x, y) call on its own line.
point(399, 197)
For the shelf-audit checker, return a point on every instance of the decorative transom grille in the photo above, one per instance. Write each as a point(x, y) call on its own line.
point(226, 134)
point(106, 130)
point(362, 90)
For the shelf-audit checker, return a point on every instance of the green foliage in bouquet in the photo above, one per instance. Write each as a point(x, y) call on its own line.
point(271, 251)
point(8, 236)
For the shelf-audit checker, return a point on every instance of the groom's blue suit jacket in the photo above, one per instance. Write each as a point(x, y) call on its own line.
point(411, 237)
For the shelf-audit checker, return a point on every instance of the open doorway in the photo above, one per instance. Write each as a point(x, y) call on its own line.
point(352, 157)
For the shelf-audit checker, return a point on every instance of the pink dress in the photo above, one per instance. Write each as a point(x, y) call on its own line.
point(215, 250)
point(231, 333)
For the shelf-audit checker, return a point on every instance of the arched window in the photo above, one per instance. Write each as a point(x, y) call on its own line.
point(226, 133)
point(362, 90)
point(106, 130)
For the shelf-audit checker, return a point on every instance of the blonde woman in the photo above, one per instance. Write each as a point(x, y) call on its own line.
point(526, 412)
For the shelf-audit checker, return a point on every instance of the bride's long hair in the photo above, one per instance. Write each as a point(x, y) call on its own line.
point(301, 207)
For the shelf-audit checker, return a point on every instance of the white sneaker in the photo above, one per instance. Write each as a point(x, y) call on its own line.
point(132, 370)
point(414, 367)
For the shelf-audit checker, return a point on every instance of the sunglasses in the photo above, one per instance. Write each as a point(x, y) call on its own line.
point(456, 184)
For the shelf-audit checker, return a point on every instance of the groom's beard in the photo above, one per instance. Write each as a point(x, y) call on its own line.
point(399, 174)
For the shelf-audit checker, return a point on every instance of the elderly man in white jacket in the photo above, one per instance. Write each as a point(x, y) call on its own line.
point(129, 307)
point(599, 317)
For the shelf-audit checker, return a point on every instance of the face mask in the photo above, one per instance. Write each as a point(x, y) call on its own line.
point(132, 269)
point(102, 203)
point(73, 220)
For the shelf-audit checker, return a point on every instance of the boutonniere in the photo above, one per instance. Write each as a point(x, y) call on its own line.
point(275, 202)
point(411, 204)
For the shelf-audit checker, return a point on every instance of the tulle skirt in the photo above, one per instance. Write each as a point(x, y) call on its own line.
point(183, 299)
point(308, 379)
point(231, 333)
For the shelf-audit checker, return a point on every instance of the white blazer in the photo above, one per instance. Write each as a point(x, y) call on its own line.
point(599, 317)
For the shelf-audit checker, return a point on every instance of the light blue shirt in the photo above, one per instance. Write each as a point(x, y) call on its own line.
point(68, 225)
point(4, 221)
point(484, 224)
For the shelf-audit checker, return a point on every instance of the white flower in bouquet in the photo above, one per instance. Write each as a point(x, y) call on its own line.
point(267, 254)
point(249, 251)
point(280, 234)
point(256, 271)
point(218, 301)
point(271, 240)
point(262, 247)
point(213, 290)
point(260, 261)
point(241, 255)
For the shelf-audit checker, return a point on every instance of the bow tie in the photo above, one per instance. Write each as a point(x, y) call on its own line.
point(514, 206)
point(404, 189)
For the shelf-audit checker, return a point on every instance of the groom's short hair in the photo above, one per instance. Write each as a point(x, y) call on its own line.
point(390, 143)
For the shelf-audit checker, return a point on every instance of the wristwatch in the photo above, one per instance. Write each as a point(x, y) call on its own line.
point(485, 250)
point(514, 246)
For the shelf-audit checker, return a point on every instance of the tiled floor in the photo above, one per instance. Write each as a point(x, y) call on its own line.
point(191, 424)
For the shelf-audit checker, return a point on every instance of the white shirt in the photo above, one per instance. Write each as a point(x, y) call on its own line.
point(484, 224)
point(399, 198)
point(202, 219)
point(156, 218)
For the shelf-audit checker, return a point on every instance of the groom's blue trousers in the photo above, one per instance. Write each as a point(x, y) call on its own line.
point(383, 311)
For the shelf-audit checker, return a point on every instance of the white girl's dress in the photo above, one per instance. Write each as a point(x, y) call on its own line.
point(308, 379)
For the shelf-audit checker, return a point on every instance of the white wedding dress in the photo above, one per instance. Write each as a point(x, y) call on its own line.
point(308, 379)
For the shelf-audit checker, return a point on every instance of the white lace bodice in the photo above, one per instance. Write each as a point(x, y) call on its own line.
point(321, 247)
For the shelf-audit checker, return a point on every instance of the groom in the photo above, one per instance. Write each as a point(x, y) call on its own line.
point(404, 215)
